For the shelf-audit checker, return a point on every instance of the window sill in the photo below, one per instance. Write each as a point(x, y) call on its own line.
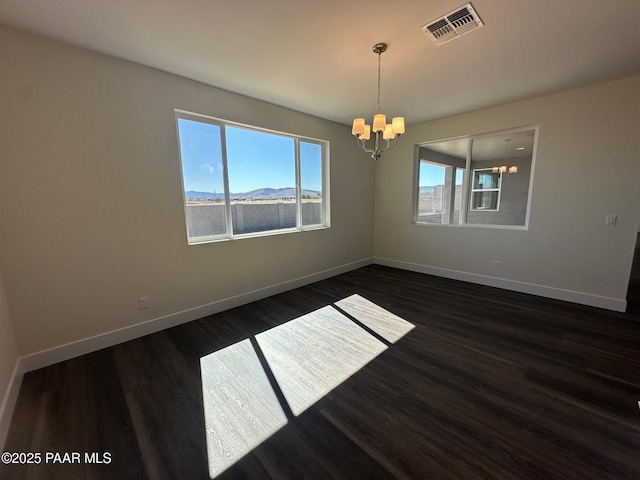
point(269, 233)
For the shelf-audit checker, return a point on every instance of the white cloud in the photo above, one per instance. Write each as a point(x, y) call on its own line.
point(207, 168)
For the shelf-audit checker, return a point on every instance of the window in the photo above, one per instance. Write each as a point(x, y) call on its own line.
point(311, 182)
point(477, 180)
point(485, 192)
point(440, 191)
point(241, 181)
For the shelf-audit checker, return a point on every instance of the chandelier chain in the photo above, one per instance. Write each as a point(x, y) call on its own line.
point(379, 56)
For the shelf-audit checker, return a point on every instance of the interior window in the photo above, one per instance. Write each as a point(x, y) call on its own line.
point(477, 180)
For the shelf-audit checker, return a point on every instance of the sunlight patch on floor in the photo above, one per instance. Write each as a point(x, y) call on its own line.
point(311, 355)
point(240, 408)
point(389, 326)
point(308, 357)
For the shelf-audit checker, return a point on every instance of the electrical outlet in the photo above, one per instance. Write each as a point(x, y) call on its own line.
point(143, 302)
point(496, 265)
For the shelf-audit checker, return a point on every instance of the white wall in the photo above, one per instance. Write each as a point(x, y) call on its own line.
point(91, 209)
point(587, 166)
point(8, 362)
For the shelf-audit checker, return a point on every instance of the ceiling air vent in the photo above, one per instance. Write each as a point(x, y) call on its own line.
point(453, 25)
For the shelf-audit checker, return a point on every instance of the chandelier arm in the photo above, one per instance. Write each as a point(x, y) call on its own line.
point(395, 142)
point(363, 145)
point(376, 151)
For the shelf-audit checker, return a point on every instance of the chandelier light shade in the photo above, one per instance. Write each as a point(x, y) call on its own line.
point(381, 129)
point(503, 169)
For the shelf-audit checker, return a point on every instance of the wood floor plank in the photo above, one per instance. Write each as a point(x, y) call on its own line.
point(89, 394)
point(164, 397)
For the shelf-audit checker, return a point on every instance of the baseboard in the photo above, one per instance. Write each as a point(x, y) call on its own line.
point(522, 287)
point(92, 344)
point(9, 403)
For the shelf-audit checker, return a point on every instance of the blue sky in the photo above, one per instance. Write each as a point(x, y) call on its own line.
point(255, 159)
point(431, 174)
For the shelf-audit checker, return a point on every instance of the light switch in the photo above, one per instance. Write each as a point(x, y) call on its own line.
point(610, 220)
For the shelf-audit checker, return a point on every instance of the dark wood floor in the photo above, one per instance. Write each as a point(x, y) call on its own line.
point(490, 384)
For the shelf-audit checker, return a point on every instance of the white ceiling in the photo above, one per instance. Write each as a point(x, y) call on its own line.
point(315, 56)
point(488, 147)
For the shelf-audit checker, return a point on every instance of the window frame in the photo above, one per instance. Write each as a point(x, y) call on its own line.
point(484, 190)
point(467, 180)
point(449, 203)
point(228, 201)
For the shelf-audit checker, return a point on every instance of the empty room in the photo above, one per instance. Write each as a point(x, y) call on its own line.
point(324, 240)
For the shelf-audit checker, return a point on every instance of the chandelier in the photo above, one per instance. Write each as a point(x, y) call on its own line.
point(388, 131)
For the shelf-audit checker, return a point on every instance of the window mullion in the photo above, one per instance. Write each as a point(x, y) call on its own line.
point(298, 185)
point(450, 191)
point(466, 184)
point(225, 178)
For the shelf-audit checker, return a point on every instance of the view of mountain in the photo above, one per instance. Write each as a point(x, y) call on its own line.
point(259, 194)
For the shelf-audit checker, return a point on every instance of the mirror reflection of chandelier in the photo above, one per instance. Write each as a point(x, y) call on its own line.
point(503, 169)
point(388, 131)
